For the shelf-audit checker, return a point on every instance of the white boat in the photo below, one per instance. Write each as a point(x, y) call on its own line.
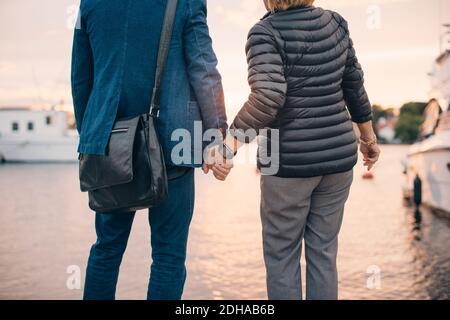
point(28, 135)
point(428, 161)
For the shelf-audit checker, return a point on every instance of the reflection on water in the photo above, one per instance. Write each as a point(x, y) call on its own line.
point(430, 240)
point(46, 227)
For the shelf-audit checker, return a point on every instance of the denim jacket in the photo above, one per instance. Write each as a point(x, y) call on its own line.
point(113, 64)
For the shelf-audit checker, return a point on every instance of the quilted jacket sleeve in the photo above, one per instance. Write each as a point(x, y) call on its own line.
point(266, 79)
point(355, 94)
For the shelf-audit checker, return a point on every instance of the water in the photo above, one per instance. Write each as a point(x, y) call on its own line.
point(46, 227)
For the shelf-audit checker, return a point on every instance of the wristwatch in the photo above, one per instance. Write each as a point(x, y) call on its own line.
point(226, 151)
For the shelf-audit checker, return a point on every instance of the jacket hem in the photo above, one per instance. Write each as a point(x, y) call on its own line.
point(289, 173)
point(92, 148)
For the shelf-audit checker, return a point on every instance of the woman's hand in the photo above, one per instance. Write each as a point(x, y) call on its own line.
point(371, 153)
point(368, 147)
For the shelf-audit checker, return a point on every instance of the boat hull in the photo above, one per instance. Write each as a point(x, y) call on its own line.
point(29, 151)
point(430, 161)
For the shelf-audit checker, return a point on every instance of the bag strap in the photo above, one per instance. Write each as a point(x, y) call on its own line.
point(164, 45)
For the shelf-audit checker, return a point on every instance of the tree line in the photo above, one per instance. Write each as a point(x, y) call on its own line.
point(408, 121)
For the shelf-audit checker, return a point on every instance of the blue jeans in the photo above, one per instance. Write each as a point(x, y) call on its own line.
point(169, 223)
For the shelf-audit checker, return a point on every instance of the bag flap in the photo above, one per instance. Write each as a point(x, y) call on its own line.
point(116, 167)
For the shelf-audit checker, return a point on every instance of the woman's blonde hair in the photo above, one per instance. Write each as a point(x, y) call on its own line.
point(286, 4)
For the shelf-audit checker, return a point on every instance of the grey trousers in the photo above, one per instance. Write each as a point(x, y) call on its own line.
point(293, 209)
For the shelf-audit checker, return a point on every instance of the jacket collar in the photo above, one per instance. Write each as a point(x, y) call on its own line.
point(266, 15)
point(301, 7)
point(298, 8)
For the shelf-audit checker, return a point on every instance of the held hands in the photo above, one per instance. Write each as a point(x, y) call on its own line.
point(217, 163)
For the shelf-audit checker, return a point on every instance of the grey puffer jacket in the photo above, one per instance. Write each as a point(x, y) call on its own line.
point(305, 81)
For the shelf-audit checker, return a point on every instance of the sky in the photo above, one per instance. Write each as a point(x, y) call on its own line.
point(396, 42)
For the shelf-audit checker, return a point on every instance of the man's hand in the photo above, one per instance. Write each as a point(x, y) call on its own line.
point(215, 162)
point(371, 153)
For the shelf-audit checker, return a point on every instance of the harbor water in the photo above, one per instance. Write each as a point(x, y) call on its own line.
point(386, 250)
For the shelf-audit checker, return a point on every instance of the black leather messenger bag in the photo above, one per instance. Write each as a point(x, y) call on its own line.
point(132, 175)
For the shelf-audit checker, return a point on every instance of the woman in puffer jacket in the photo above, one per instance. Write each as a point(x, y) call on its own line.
point(306, 90)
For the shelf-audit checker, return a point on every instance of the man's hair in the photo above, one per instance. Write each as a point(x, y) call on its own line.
point(286, 4)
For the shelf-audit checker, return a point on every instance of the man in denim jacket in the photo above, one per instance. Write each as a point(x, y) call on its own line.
point(113, 68)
